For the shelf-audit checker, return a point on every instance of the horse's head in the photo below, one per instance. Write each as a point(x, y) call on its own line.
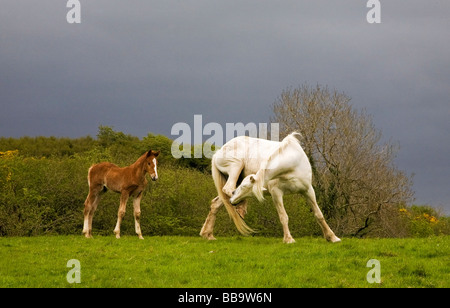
point(151, 164)
point(251, 184)
point(244, 190)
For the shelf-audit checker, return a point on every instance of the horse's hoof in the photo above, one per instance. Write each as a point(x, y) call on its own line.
point(208, 237)
point(87, 234)
point(289, 241)
point(334, 239)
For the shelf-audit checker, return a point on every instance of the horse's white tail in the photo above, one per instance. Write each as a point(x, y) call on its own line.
point(219, 181)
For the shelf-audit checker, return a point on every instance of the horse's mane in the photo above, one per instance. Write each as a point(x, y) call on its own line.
point(258, 187)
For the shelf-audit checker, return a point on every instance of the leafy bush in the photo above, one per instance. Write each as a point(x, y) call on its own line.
point(42, 191)
point(46, 196)
point(424, 221)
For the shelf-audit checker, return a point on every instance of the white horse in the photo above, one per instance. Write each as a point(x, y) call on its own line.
point(277, 167)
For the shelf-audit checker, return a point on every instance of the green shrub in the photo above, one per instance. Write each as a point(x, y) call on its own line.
point(45, 194)
point(424, 221)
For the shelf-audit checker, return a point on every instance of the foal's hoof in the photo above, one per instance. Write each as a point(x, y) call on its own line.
point(141, 237)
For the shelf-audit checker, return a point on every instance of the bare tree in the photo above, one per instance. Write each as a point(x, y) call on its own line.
point(357, 184)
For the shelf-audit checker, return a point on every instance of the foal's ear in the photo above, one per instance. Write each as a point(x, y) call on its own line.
point(155, 153)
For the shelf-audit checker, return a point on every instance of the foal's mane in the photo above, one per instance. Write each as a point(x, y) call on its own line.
point(142, 159)
point(260, 178)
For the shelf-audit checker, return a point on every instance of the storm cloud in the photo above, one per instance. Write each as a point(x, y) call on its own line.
point(142, 66)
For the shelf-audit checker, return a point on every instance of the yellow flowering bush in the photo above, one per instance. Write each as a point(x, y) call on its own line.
point(424, 221)
point(5, 165)
point(9, 154)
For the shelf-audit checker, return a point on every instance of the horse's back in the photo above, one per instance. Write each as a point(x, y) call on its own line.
point(244, 151)
point(97, 172)
point(102, 167)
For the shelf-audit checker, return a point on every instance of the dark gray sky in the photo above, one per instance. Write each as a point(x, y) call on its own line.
point(142, 66)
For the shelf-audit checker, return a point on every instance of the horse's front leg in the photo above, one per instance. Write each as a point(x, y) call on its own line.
point(122, 207)
point(137, 214)
point(277, 196)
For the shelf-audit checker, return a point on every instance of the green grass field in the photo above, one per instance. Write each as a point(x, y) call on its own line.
point(254, 262)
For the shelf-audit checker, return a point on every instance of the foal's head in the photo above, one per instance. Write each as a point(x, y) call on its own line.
point(151, 164)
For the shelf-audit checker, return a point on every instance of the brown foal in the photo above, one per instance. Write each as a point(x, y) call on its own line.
point(128, 181)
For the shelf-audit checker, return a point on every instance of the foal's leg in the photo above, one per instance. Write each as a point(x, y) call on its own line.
point(327, 232)
point(90, 205)
point(87, 209)
point(208, 226)
point(93, 209)
point(122, 207)
point(137, 214)
point(277, 196)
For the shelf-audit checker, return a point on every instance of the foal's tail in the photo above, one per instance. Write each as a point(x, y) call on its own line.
point(219, 181)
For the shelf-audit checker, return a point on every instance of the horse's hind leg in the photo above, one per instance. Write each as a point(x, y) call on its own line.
point(234, 171)
point(241, 208)
point(208, 226)
point(137, 214)
point(327, 232)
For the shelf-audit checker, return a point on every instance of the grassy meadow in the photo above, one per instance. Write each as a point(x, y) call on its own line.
point(42, 191)
point(238, 262)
